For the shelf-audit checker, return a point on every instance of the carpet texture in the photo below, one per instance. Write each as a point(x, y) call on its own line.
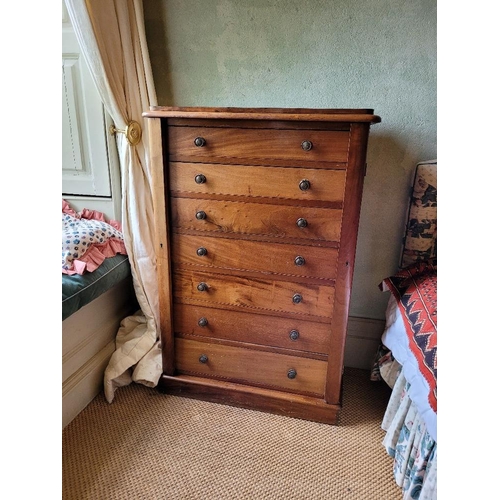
point(148, 445)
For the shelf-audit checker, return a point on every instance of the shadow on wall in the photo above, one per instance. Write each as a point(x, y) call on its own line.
point(388, 181)
point(159, 51)
point(384, 209)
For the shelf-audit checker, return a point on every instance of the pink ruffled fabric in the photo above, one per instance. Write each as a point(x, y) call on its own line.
point(95, 254)
point(90, 215)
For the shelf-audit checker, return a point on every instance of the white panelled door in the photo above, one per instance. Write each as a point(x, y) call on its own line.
point(85, 156)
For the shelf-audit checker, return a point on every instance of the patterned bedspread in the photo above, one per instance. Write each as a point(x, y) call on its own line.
point(415, 290)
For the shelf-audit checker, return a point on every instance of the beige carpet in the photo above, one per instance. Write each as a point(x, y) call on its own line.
point(147, 445)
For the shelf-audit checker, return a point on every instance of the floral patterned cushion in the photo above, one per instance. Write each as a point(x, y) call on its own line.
point(421, 230)
point(87, 239)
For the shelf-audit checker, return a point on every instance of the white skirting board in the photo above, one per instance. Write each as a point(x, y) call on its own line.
point(362, 341)
point(84, 385)
point(88, 341)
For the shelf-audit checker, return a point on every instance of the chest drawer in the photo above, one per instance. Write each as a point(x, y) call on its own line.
point(246, 255)
point(219, 145)
point(276, 221)
point(253, 294)
point(269, 182)
point(277, 331)
point(301, 375)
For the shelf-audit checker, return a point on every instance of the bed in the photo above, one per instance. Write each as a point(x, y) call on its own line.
point(97, 293)
point(407, 356)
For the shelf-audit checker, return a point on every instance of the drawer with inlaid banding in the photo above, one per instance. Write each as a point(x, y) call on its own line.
point(285, 332)
point(298, 184)
point(257, 219)
point(212, 144)
point(193, 287)
point(240, 364)
point(246, 255)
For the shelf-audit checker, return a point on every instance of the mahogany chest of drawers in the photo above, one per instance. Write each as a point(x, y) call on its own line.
point(256, 217)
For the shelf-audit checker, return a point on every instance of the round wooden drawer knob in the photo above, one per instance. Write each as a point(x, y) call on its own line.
point(306, 145)
point(292, 373)
point(299, 260)
point(304, 185)
point(199, 142)
point(302, 222)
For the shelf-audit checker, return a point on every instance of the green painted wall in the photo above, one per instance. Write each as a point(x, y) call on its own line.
point(377, 54)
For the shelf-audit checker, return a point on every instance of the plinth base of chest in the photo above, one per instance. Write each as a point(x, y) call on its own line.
point(253, 398)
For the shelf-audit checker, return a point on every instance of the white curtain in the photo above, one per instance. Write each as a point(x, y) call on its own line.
point(113, 41)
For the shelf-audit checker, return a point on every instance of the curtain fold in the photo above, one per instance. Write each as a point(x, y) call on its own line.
point(112, 38)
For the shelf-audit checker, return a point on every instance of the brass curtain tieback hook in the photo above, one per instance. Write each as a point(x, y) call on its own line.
point(133, 132)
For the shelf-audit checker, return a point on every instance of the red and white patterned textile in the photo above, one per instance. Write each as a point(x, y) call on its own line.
point(411, 333)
